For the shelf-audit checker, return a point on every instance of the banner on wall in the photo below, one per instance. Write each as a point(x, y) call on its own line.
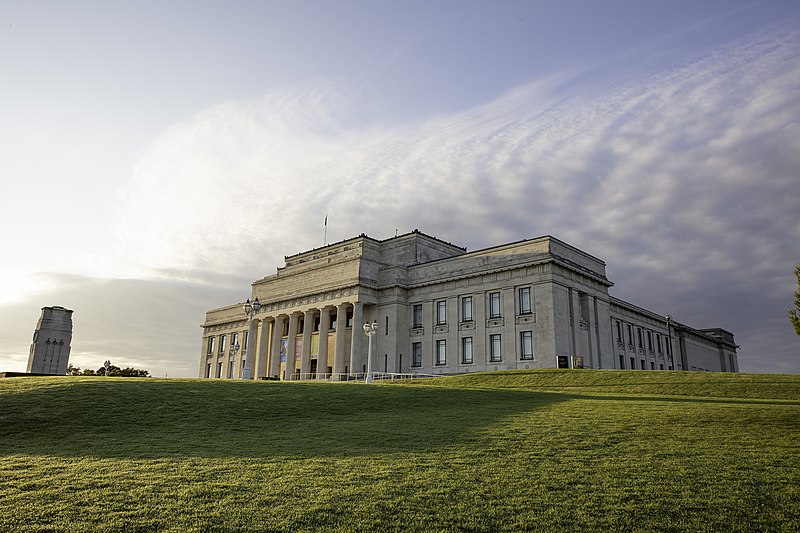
point(314, 346)
point(284, 349)
point(298, 347)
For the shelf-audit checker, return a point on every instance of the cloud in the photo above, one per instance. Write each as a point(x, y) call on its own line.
point(683, 180)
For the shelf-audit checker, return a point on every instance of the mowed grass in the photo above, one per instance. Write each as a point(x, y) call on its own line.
point(502, 451)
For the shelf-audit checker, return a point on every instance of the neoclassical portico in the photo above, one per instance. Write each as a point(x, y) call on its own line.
point(312, 343)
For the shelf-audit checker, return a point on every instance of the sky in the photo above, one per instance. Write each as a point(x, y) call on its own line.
point(158, 157)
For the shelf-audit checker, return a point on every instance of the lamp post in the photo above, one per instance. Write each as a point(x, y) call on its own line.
point(669, 346)
point(370, 330)
point(250, 309)
point(232, 351)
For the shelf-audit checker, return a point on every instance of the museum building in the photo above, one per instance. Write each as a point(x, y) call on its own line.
point(537, 303)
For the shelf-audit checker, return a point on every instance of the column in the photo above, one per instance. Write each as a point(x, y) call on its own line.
point(324, 327)
point(275, 351)
point(305, 356)
point(263, 347)
point(341, 326)
point(290, 365)
point(356, 363)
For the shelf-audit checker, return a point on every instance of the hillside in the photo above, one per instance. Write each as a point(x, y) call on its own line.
point(550, 450)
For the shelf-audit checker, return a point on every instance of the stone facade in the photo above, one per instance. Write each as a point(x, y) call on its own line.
point(537, 303)
point(49, 353)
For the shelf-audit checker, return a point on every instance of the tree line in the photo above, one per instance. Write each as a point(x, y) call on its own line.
point(113, 370)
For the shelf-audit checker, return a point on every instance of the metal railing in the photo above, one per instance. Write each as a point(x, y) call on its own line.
point(361, 376)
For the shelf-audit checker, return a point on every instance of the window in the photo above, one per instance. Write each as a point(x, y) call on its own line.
point(234, 339)
point(642, 362)
point(210, 345)
point(622, 362)
point(652, 365)
point(222, 344)
point(630, 335)
point(441, 352)
point(246, 336)
point(416, 354)
point(495, 355)
point(639, 333)
point(658, 342)
point(231, 369)
point(619, 332)
point(494, 305)
point(650, 340)
point(466, 351)
point(417, 316)
point(208, 370)
point(466, 309)
point(525, 301)
point(526, 345)
point(349, 319)
point(219, 370)
point(730, 362)
point(633, 363)
point(441, 312)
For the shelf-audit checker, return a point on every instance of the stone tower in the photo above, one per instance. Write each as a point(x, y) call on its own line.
point(51, 342)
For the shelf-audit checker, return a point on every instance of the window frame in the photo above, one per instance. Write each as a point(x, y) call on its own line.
point(417, 316)
point(441, 312)
point(494, 298)
point(495, 348)
point(467, 341)
point(441, 352)
point(526, 291)
point(466, 305)
point(416, 354)
point(526, 337)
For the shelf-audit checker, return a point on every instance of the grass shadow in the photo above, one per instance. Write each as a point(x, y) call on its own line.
point(140, 418)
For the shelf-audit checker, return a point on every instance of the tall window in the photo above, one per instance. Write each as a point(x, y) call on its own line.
point(494, 305)
point(441, 352)
point(231, 368)
point(416, 354)
point(630, 334)
point(658, 342)
point(441, 312)
point(219, 370)
point(222, 344)
point(208, 370)
point(494, 349)
point(417, 316)
point(244, 344)
point(466, 309)
point(622, 362)
point(650, 340)
point(619, 332)
point(210, 345)
point(234, 339)
point(525, 301)
point(639, 333)
point(526, 344)
point(466, 351)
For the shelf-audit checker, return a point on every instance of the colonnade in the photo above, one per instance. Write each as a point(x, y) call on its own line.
point(347, 357)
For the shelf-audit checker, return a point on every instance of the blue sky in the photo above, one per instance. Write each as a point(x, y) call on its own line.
point(160, 156)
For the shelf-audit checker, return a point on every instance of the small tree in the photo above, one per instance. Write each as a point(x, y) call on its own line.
point(73, 370)
point(794, 314)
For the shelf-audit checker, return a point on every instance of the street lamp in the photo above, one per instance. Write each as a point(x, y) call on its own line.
point(370, 330)
point(250, 309)
point(669, 335)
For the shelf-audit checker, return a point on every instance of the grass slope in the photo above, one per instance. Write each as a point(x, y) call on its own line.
point(534, 450)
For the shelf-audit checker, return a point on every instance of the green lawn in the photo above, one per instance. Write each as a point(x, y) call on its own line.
point(533, 450)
